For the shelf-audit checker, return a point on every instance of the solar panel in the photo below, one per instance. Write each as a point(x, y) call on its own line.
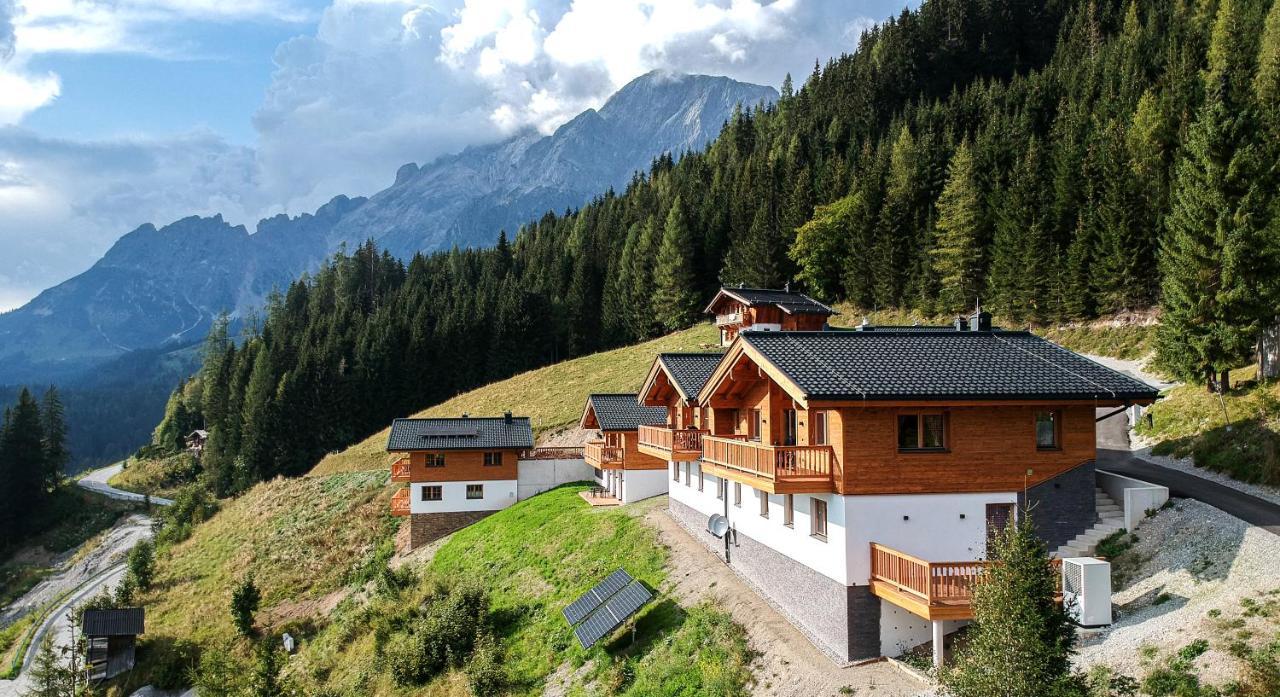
point(446, 430)
point(612, 614)
point(595, 597)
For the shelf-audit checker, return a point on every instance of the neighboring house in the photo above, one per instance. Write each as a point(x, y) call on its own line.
point(460, 470)
point(195, 441)
point(111, 637)
point(762, 309)
point(628, 474)
point(862, 471)
point(673, 383)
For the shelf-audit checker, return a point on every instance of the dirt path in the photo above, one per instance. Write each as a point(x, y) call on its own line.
point(788, 664)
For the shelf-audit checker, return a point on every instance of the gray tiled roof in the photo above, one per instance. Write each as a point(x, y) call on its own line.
point(942, 365)
point(690, 371)
point(623, 412)
point(125, 621)
point(790, 301)
point(467, 433)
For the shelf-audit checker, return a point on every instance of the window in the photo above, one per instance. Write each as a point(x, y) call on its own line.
point(818, 518)
point(475, 491)
point(493, 459)
point(701, 478)
point(753, 425)
point(789, 511)
point(819, 421)
point(688, 473)
point(435, 460)
point(1048, 428)
point(432, 493)
point(764, 504)
point(922, 431)
point(675, 471)
point(789, 429)
point(737, 494)
point(720, 483)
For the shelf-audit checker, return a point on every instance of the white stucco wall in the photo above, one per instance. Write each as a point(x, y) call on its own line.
point(642, 484)
point(933, 528)
point(900, 630)
point(826, 557)
point(498, 494)
point(537, 476)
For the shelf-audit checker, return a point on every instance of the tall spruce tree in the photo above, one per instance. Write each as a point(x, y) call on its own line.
point(22, 445)
point(54, 433)
point(676, 294)
point(957, 251)
point(1218, 268)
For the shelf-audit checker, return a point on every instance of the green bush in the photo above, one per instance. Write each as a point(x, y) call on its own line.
point(244, 603)
point(191, 506)
point(142, 564)
point(485, 675)
point(173, 664)
point(443, 636)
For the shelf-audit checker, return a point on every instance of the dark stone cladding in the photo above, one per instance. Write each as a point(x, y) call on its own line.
point(1064, 506)
point(843, 621)
point(429, 527)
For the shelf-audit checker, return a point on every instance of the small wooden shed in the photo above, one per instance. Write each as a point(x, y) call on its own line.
point(111, 638)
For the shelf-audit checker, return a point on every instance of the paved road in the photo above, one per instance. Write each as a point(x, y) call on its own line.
point(96, 481)
point(1250, 509)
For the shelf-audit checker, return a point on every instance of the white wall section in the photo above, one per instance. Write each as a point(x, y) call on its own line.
point(498, 494)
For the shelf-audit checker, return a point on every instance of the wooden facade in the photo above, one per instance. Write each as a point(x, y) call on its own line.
point(732, 315)
point(680, 440)
point(462, 465)
point(620, 450)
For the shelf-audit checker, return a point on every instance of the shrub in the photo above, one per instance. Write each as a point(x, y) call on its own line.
point(217, 674)
point(244, 603)
point(444, 636)
point(191, 506)
point(173, 663)
point(485, 675)
point(142, 564)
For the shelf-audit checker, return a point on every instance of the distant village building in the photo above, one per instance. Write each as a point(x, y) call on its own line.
point(196, 440)
point(460, 470)
point(763, 309)
point(621, 469)
point(111, 637)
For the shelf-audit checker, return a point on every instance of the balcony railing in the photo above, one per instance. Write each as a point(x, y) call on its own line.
point(775, 463)
point(728, 318)
point(602, 456)
point(671, 443)
point(400, 470)
point(931, 589)
point(400, 502)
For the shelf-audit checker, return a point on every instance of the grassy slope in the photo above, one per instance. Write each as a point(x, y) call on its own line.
point(305, 538)
point(159, 477)
point(1190, 422)
point(552, 397)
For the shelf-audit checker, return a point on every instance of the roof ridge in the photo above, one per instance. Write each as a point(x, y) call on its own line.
point(825, 364)
point(1055, 364)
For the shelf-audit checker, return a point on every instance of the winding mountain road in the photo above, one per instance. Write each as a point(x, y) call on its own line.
point(96, 481)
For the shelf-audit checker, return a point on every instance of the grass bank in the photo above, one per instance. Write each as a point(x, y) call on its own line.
point(1237, 434)
point(163, 476)
point(551, 397)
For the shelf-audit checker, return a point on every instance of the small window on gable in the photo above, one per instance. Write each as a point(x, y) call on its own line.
point(1048, 429)
point(922, 431)
point(493, 459)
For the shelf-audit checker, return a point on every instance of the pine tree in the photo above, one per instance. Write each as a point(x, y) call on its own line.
point(897, 230)
point(48, 675)
point(675, 300)
point(54, 430)
point(1125, 248)
point(1021, 640)
point(957, 254)
point(1218, 269)
point(22, 444)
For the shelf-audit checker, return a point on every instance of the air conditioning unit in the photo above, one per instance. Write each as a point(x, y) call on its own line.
point(1086, 590)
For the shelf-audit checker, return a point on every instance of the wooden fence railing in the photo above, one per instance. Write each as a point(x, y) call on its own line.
point(400, 502)
point(551, 454)
point(682, 440)
point(598, 454)
point(774, 462)
point(934, 582)
point(400, 470)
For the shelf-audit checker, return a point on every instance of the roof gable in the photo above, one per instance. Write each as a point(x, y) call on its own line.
point(685, 372)
point(931, 366)
point(466, 433)
point(621, 412)
point(786, 300)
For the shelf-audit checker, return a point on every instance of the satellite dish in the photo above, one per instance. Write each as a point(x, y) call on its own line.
point(717, 525)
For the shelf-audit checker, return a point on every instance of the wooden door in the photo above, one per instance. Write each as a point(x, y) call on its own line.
point(788, 426)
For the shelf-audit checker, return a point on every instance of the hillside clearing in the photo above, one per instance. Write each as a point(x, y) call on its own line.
point(552, 397)
point(162, 477)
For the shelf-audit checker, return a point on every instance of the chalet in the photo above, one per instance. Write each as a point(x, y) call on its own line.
point(195, 441)
point(625, 472)
point(762, 309)
point(861, 472)
point(672, 384)
point(111, 637)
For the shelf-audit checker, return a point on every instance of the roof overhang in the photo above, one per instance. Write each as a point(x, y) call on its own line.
point(739, 351)
point(588, 420)
point(656, 383)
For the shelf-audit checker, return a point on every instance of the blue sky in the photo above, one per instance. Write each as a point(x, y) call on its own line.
point(114, 113)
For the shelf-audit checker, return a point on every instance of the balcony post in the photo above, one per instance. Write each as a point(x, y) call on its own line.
point(938, 644)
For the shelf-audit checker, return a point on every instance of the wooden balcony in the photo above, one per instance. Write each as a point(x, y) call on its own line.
point(601, 456)
point(665, 443)
point(728, 318)
point(400, 502)
point(778, 469)
point(400, 470)
point(934, 590)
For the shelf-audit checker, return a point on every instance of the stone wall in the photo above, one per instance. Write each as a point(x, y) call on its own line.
point(1064, 506)
point(843, 621)
point(429, 527)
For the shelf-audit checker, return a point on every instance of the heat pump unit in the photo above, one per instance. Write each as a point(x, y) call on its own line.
point(1086, 590)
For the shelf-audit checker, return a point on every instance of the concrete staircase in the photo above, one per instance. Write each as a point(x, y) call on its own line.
point(1110, 519)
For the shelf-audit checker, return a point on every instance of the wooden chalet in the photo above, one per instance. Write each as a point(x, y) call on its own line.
point(764, 309)
point(111, 638)
point(621, 468)
point(672, 384)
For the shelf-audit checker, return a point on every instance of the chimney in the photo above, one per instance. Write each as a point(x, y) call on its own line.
point(960, 324)
point(980, 321)
point(506, 417)
point(786, 287)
